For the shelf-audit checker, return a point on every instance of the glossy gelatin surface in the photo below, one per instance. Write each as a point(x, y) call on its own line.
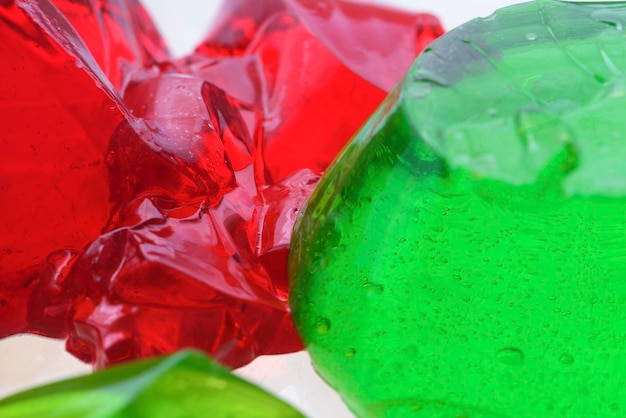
point(147, 202)
point(183, 385)
point(464, 256)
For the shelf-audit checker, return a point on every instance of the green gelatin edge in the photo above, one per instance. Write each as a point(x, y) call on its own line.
point(183, 385)
point(465, 256)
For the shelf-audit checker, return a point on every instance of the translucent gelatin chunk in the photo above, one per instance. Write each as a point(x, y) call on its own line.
point(147, 202)
point(186, 384)
point(464, 256)
point(55, 129)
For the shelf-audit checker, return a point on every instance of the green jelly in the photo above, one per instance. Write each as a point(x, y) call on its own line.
point(183, 385)
point(465, 256)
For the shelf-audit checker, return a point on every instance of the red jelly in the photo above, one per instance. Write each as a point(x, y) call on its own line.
point(148, 202)
point(56, 123)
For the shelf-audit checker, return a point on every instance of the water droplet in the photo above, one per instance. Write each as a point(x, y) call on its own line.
point(322, 326)
point(511, 355)
point(373, 288)
point(531, 36)
point(350, 352)
point(566, 359)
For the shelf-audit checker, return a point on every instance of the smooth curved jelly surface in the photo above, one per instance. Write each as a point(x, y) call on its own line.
point(464, 256)
point(186, 384)
point(56, 126)
point(342, 25)
point(147, 201)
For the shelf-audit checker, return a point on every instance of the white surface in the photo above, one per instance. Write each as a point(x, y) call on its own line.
point(27, 361)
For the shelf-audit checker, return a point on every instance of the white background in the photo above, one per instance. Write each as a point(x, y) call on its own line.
point(26, 360)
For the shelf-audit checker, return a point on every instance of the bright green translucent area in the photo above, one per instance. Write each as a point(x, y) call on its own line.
point(184, 385)
point(465, 257)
